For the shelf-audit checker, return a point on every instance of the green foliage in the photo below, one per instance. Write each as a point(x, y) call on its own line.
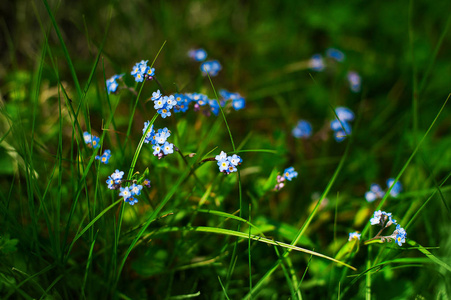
point(197, 233)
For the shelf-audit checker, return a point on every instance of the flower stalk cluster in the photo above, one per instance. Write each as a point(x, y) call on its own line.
point(142, 72)
point(91, 140)
point(385, 220)
point(288, 174)
point(228, 164)
point(130, 192)
point(105, 157)
point(158, 139)
point(376, 191)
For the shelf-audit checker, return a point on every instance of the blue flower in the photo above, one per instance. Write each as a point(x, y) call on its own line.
point(397, 188)
point(150, 136)
point(160, 102)
point(340, 135)
point(221, 156)
point(164, 112)
point(290, 173)
point(354, 236)
point(225, 94)
point(231, 169)
point(316, 63)
point(400, 235)
point(335, 54)
point(146, 183)
point(223, 165)
point(105, 157)
point(162, 136)
point(238, 103)
point(380, 218)
point(135, 189)
point(87, 137)
point(91, 140)
point(354, 81)
point(156, 149)
point(374, 193)
point(200, 99)
point(110, 182)
point(198, 54)
point(336, 125)
point(156, 95)
point(132, 200)
point(149, 75)
point(212, 67)
point(170, 101)
point(95, 142)
point(168, 148)
point(340, 126)
point(141, 71)
point(112, 85)
point(376, 219)
point(302, 130)
point(227, 164)
point(344, 113)
point(214, 106)
point(117, 176)
point(125, 192)
point(234, 160)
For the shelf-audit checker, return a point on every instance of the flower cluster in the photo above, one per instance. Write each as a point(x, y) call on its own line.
point(141, 71)
point(385, 220)
point(376, 191)
point(354, 236)
point(115, 182)
point(318, 63)
point(91, 140)
point(197, 54)
point(302, 130)
point(181, 102)
point(212, 67)
point(238, 101)
point(381, 218)
point(112, 85)
point(163, 104)
point(341, 126)
point(158, 139)
point(228, 164)
point(105, 157)
point(288, 174)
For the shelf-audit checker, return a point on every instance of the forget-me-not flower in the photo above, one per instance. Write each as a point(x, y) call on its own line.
point(354, 236)
point(303, 130)
point(290, 173)
point(198, 54)
point(212, 67)
point(105, 157)
point(316, 63)
point(112, 85)
point(335, 54)
point(397, 187)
